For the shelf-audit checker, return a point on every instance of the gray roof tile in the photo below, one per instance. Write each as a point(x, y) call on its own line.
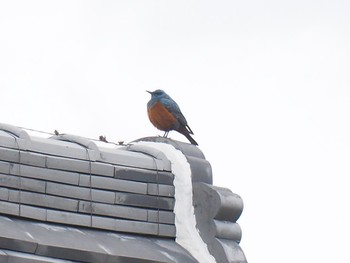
point(70, 199)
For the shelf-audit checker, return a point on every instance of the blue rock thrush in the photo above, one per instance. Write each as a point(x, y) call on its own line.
point(165, 115)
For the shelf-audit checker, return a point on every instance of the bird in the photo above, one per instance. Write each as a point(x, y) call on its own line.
point(165, 115)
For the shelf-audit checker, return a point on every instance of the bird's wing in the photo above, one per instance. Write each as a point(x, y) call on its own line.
point(172, 106)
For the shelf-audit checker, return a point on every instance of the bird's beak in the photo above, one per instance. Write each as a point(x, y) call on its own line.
point(150, 92)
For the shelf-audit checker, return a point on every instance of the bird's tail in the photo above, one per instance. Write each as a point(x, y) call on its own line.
point(192, 141)
point(185, 132)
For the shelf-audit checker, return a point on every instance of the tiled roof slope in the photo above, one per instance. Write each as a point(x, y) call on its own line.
point(71, 199)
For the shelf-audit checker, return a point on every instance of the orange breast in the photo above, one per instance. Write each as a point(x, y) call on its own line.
point(161, 118)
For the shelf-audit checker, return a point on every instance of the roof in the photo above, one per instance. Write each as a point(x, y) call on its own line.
point(66, 198)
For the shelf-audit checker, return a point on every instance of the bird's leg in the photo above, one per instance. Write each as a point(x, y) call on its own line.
point(166, 134)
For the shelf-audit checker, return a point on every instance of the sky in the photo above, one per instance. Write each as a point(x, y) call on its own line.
point(264, 85)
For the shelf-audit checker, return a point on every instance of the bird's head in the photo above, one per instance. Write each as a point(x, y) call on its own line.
point(157, 93)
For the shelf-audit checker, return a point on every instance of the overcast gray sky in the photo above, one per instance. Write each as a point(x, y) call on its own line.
point(264, 86)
